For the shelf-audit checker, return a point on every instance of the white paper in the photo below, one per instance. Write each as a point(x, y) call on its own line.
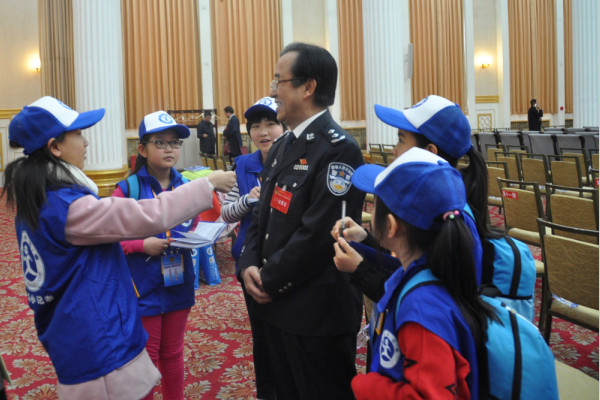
point(206, 233)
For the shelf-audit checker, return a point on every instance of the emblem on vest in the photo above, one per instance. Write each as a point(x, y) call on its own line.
point(34, 271)
point(389, 350)
point(339, 177)
point(303, 166)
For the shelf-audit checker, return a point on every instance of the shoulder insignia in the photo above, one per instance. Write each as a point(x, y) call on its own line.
point(335, 137)
point(310, 137)
point(339, 178)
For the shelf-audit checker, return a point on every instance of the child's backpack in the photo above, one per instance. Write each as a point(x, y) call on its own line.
point(508, 272)
point(516, 362)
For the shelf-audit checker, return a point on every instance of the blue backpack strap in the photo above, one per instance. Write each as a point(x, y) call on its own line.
point(133, 187)
point(421, 278)
point(516, 278)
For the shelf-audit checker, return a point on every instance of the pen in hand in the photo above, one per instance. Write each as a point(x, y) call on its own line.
point(343, 218)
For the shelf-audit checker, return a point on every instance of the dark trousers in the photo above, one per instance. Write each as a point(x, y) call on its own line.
point(312, 367)
point(265, 387)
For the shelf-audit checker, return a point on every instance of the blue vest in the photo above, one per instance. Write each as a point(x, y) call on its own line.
point(247, 168)
point(84, 305)
point(431, 307)
point(155, 298)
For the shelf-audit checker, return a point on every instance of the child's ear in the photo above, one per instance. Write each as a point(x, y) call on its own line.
point(53, 147)
point(394, 227)
point(142, 150)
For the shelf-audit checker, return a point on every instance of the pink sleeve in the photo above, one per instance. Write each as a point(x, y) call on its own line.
point(129, 246)
point(112, 219)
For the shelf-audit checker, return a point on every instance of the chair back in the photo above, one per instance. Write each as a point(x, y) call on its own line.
point(211, 163)
point(495, 170)
point(378, 158)
point(571, 265)
point(534, 168)
point(541, 143)
point(487, 140)
point(522, 204)
point(220, 164)
point(375, 147)
point(512, 163)
point(565, 170)
point(512, 139)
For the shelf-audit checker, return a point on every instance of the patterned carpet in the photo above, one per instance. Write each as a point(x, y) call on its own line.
point(218, 348)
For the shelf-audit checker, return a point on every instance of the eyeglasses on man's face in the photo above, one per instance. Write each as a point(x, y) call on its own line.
point(162, 144)
point(275, 82)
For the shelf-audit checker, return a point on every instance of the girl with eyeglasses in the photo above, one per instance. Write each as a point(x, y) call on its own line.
point(163, 275)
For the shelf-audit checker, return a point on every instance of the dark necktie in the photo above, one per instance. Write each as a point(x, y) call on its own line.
point(289, 141)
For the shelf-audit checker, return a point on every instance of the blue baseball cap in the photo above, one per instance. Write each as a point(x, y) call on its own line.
point(438, 119)
point(266, 105)
point(48, 118)
point(418, 187)
point(159, 121)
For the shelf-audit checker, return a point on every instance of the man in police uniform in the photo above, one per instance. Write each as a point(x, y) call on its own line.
point(311, 311)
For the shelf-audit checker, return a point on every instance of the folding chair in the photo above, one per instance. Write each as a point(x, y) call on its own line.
point(522, 206)
point(211, 162)
point(375, 147)
point(534, 168)
point(571, 268)
point(565, 170)
point(487, 140)
point(495, 169)
point(378, 157)
point(539, 143)
point(512, 163)
point(564, 208)
point(511, 140)
point(220, 164)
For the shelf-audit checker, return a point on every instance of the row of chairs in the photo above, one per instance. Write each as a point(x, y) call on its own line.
point(567, 221)
point(215, 162)
point(567, 169)
point(541, 143)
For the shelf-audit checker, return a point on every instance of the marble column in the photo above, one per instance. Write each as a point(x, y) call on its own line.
point(586, 93)
point(97, 46)
point(387, 70)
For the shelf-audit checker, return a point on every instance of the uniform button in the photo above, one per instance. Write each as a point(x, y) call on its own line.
point(289, 284)
point(294, 185)
point(271, 211)
point(264, 261)
point(266, 236)
point(280, 291)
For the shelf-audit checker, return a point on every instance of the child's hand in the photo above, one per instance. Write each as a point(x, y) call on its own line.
point(254, 193)
point(154, 246)
point(353, 232)
point(223, 181)
point(346, 259)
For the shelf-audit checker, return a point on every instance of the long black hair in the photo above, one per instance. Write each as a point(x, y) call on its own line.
point(450, 257)
point(27, 179)
point(475, 178)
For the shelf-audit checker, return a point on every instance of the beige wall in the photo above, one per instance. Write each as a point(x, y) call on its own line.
point(19, 83)
point(484, 42)
point(309, 22)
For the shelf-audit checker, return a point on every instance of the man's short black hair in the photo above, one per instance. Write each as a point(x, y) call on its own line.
point(533, 101)
point(314, 62)
point(229, 109)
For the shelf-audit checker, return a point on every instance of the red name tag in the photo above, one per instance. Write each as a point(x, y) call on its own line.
point(509, 194)
point(596, 182)
point(281, 199)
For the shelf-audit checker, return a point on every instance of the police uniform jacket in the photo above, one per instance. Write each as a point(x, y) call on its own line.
point(289, 237)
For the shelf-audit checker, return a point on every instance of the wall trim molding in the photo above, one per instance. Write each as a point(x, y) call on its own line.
point(8, 113)
point(487, 99)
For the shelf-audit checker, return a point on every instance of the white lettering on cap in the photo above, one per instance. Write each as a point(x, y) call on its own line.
point(422, 112)
point(158, 119)
point(63, 113)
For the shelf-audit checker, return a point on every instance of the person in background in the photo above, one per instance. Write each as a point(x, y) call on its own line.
point(534, 116)
point(78, 284)
point(162, 275)
point(424, 340)
point(311, 311)
point(206, 133)
point(264, 128)
point(232, 134)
